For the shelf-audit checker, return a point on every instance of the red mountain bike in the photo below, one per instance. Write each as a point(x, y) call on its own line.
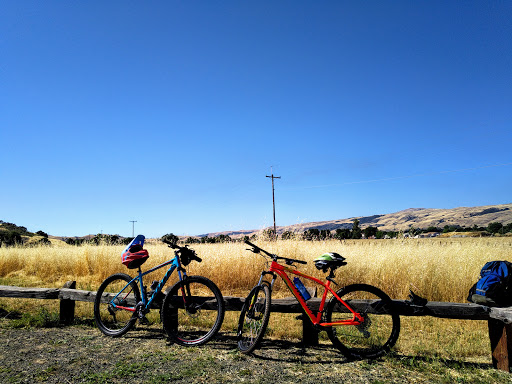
point(359, 318)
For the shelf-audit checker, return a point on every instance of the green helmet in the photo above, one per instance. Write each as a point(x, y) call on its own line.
point(326, 257)
point(329, 260)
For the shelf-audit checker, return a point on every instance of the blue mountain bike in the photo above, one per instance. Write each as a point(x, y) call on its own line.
point(192, 311)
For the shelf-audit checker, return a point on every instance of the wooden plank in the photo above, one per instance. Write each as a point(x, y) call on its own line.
point(501, 314)
point(77, 295)
point(467, 311)
point(28, 293)
point(462, 311)
point(130, 299)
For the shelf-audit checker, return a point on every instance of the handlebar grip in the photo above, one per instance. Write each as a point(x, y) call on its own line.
point(251, 244)
point(171, 244)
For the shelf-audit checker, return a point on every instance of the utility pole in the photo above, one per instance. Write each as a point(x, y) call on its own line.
point(133, 227)
point(273, 200)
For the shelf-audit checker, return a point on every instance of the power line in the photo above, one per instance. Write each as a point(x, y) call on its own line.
point(402, 177)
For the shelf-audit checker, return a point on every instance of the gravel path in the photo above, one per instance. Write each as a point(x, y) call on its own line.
point(81, 354)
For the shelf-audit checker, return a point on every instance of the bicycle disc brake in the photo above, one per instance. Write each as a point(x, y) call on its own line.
point(194, 310)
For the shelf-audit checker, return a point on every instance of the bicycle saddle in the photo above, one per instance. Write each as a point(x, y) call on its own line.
point(329, 260)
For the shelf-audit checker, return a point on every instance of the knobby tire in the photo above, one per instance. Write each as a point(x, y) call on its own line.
point(379, 331)
point(254, 318)
point(110, 320)
point(195, 321)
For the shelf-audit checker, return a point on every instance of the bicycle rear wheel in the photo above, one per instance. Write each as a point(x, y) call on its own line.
point(254, 318)
point(110, 319)
point(192, 311)
point(379, 331)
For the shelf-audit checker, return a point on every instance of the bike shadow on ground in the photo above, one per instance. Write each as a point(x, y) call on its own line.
point(283, 351)
point(145, 333)
point(294, 352)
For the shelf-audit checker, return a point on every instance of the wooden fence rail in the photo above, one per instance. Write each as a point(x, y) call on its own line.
point(499, 319)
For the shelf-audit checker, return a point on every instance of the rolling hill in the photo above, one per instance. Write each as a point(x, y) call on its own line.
point(403, 220)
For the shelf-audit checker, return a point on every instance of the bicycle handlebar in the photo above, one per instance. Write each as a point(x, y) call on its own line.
point(191, 254)
point(257, 249)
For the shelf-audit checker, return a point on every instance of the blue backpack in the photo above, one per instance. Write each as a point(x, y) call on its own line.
point(494, 287)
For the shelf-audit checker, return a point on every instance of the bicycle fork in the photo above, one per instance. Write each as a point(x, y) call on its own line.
point(271, 284)
point(252, 305)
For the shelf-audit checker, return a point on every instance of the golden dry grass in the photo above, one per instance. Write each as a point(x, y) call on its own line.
point(437, 269)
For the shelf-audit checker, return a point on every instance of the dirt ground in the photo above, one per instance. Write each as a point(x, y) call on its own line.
point(80, 354)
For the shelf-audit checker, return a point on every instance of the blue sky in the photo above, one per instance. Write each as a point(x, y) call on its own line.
point(172, 113)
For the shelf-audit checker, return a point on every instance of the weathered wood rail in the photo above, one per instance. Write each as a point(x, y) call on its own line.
point(499, 319)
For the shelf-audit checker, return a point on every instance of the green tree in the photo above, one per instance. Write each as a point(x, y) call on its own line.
point(413, 231)
point(191, 240)
point(269, 234)
point(287, 235)
point(370, 232)
point(311, 234)
point(356, 231)
point(223, 239)
point(342, 233)
point(170, 237)
point(494, 228)
point(10, 238)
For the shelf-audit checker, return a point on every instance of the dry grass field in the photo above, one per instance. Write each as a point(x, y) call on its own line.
point(437, 269)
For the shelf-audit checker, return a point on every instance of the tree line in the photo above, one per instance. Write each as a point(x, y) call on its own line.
point(12, 234)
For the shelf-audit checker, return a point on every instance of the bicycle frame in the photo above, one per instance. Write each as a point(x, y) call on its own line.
point(281, 270)
point(175, 264)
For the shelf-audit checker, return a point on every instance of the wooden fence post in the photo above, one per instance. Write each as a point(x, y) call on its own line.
point(309, 332)
point(500, 335)
point(67, 306)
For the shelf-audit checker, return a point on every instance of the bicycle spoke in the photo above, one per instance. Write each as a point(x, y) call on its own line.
point(378, 331)
point(110, 318)
point(193, 311)
point(254, 319)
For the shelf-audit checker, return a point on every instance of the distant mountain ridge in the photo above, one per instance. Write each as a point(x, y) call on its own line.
point(421, 218)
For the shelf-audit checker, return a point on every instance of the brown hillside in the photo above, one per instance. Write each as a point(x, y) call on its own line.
point(403, 220)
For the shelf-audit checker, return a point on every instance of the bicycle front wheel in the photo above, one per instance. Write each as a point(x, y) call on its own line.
point(379, 330)
point(254, 318)
point(192, 311)
point(113, 294)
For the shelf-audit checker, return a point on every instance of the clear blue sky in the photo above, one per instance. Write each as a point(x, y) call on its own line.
point(171, 113)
